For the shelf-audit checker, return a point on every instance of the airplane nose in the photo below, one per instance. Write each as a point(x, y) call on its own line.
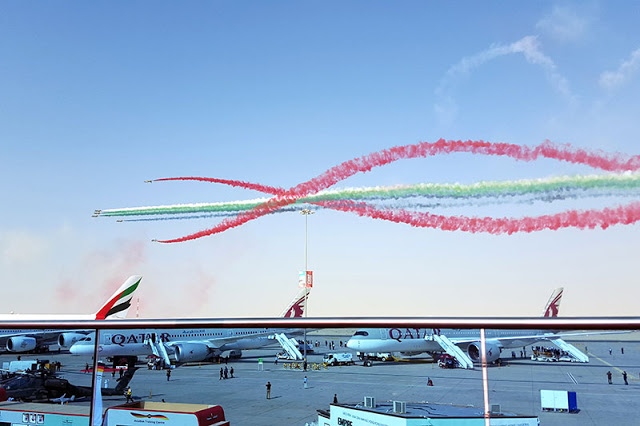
point(80, 349)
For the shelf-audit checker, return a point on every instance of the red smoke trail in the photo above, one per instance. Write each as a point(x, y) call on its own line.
point(604, 218)
point(235, 183)
point(597, 160)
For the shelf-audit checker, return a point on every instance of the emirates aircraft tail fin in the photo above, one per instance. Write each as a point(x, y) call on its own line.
point(119, 303)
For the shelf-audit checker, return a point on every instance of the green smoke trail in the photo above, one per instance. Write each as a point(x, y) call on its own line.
point(615, 183)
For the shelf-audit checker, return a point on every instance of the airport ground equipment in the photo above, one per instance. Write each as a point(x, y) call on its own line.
point(375, 356)
point(340, 358)
point(290, 345)
point(553, 400)
point(447, 361)
point(453, 350)
point(570, 349)
point(21, 366)
point(157, 347)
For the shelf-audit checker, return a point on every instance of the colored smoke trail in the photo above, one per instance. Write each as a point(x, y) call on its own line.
point(210, 210)
point(404, 204)
point(604, 218)
point(552, 188)
point(236, 183)
point(590, 218)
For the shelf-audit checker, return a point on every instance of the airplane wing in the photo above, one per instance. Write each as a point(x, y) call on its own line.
point(218, 342)
point(506, 340)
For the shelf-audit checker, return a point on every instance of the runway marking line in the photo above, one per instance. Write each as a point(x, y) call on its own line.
point(629, 377)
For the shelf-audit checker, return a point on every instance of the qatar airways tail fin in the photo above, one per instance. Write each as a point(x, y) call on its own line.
point(119, 303)
point(298, 304)
point(551, 309)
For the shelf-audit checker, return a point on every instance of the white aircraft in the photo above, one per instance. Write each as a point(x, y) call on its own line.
point(115, 307)
point(194, 345)
point(463, 344)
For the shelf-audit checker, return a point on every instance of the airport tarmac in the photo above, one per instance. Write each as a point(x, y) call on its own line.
point(516, 386)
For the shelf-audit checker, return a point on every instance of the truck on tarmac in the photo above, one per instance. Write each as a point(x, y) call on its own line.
point(341, 358)
point(376, 356)
point(22, 366)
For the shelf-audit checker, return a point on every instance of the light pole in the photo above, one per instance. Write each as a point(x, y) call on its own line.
point(305, 213)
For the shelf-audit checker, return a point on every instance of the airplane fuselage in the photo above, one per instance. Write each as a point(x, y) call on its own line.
point(135, 342)
point(421, 340)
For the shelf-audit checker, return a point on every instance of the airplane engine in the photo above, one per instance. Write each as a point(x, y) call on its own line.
point(65, 340)
point(235, 353)
point(21, 344)
point(493, 352)
point(191, 352)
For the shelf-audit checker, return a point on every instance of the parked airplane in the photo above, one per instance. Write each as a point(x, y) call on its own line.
point(461, 343)
point(194, 345)
point(116, 306)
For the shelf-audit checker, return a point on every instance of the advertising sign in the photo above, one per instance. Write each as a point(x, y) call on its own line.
point(305, 279)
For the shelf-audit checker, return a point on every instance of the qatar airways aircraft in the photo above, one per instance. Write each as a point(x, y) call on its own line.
point(115, 307)
point(195, 345)
point(463, 344)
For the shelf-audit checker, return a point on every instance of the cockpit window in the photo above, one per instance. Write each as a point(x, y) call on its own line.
point(361, 333)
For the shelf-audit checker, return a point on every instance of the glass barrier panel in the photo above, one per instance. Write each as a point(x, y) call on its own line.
point(40, 383)
point(352, 376)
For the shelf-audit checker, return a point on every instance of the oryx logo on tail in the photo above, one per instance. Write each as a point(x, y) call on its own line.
point(551, 309)
point(298, 304)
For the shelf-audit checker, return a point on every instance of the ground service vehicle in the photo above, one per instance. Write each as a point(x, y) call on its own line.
point(342, 358)
point(376, 356)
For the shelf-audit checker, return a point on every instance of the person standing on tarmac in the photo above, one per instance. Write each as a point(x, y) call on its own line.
point(609, 376)
point(268, 385)
point(221, 373)
point(624, 377)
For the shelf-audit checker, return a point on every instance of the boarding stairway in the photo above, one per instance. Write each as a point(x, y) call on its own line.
point(290, 345)
point(570, 349)
point(453, 350)
point(157, 347)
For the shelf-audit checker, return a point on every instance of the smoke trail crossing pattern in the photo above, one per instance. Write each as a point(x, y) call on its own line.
point(310, 191)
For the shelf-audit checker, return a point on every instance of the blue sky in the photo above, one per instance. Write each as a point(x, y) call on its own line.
point(99, 96)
